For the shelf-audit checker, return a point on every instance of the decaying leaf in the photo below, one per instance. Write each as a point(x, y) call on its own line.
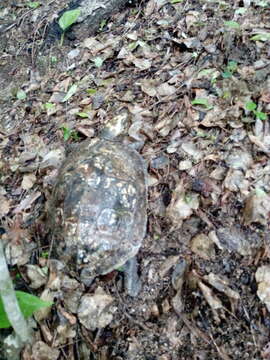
point(222, 285)
point(28, 181)
point(257, 208)
point(263, 279)
point(236, 239)
point(4, 206)
point(182, 205)
point(210, 297)
point(96, 310)
point(203, 246)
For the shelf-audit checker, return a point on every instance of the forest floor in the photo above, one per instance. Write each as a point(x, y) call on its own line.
point(194, 77)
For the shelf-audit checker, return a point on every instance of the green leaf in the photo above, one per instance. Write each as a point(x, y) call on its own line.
point(28, 304)
point(71, 91)
point(45, 254)
point(232, 24)
point(98, 62)
point(201, 101)
point(91, 91)
point(176, 1)
point(133, 45)
point(68, 18)
point(33, 4)
point(250, 106)
point(21, 95)
point(241, 11)
point(206, 72)
point(48, 106)
point(82, 114)
point(121, 268)
point(260, 115)
point(261, 37)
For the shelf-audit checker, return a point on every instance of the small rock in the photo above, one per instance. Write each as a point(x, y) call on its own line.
point(73, 53)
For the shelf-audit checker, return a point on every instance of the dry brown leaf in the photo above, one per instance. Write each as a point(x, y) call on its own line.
point(203, 246)
point(27, 202)
point(212, 299)
point(182, 205)
point(4, 206)
point(28, 181)
point(257, 208)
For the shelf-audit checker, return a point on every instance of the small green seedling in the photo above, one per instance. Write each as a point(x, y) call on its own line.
point(68, 133)
point(102, 25)
point(21, 95)
point(252, 106)
point(98, 61)
point(230, 69)
point(28, 304)
point(45, 254)
point(66, 20)
point(53, 60)
point(33, 4)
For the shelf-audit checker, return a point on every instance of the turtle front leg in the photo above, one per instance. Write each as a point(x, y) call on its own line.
point(131, 278)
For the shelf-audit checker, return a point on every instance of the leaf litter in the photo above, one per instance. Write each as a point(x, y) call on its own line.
point(184, 71)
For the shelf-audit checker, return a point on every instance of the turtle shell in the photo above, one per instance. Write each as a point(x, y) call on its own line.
point(98, 207)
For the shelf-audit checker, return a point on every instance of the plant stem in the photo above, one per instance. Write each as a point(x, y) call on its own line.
point(10, 302)
point(62, 38)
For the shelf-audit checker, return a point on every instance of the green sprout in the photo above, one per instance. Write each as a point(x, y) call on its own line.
point(66, 20)
point(230, 69)
point(69, 133)
point(102, 25)
point(252, 107)
point(33, 4)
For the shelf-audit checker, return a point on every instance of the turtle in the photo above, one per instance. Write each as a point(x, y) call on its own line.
point(97, 211)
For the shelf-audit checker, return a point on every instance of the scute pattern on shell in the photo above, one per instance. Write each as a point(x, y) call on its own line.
point(98, 208)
